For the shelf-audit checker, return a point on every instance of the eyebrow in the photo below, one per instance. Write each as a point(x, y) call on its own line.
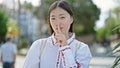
point(59, 15)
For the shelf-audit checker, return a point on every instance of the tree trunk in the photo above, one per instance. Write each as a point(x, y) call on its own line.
point(18, 19)
point(41, 18)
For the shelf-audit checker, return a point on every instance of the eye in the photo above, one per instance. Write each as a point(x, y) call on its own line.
point(52, 18)
point(62, 17)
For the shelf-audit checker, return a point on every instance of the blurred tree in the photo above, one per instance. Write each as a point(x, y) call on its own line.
point(27, 5)
point(100, 34)
point(38, 11)
point(85, 16)
point(3, 27)
point(116, 30)
point(111, 23)
point(116, 12)
point(41, 17)
point(12, 28)
point(18, 20)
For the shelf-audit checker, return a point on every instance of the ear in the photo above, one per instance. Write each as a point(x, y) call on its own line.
point(71, 19)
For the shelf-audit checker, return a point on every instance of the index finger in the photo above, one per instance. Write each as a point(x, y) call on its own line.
point(59, 30)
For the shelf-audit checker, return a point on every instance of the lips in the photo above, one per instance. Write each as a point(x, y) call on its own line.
point(61, 28)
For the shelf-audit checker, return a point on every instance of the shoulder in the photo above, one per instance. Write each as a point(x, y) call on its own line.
point(81, 45)
point(35, 47)
point(83, 49)
point(37, 43)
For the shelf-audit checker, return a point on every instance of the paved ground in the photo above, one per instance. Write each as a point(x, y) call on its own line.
point(96, 62)
point(19, 62)
point(102, 62)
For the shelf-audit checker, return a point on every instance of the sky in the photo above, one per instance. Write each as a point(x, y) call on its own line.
point(34, 2)
point(1, 1)
point(104, 5)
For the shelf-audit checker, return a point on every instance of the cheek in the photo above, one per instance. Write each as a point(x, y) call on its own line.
point(66, 23)
point(53, 25)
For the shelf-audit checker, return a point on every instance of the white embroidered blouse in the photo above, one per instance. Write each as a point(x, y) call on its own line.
point(54, 56)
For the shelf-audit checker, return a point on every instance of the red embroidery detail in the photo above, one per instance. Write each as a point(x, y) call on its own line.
point(78, 64)
point(65, 49)
point(53, 42)
point(71, 41)
point(73, 67)
point(63, 55)
point(63, 59)
point(58, 60)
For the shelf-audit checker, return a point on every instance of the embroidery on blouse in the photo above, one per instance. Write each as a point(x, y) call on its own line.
point(58, 60)
point(62, 54)
point(64, 63)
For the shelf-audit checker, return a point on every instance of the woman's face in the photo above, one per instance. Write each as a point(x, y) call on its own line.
point(60, 19)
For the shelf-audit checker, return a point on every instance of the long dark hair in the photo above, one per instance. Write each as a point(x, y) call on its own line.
point(64, 5)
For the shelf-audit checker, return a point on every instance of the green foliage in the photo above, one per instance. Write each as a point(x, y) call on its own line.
point(111, 23)
point(36, 11)
point(12, 28)
point(27, 5)
point(11, 24)
point(117, 28)
point(101, 34)
point(117, 46)
point(23, 44)
point(116, 50)
point(87, 13)
point(78, 28)
point(3, 27)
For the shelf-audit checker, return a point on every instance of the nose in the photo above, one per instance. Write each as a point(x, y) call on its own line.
point(58, 24)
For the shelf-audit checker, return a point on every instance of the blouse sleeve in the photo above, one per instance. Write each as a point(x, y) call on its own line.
point(32, 58)
point(81, 59)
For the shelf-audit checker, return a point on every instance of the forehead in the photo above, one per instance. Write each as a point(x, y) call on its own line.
point(58, 11)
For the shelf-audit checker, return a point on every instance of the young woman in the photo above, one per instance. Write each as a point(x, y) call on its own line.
point(61, 49)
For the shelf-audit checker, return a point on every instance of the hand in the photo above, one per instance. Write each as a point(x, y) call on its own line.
point(60, 37)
